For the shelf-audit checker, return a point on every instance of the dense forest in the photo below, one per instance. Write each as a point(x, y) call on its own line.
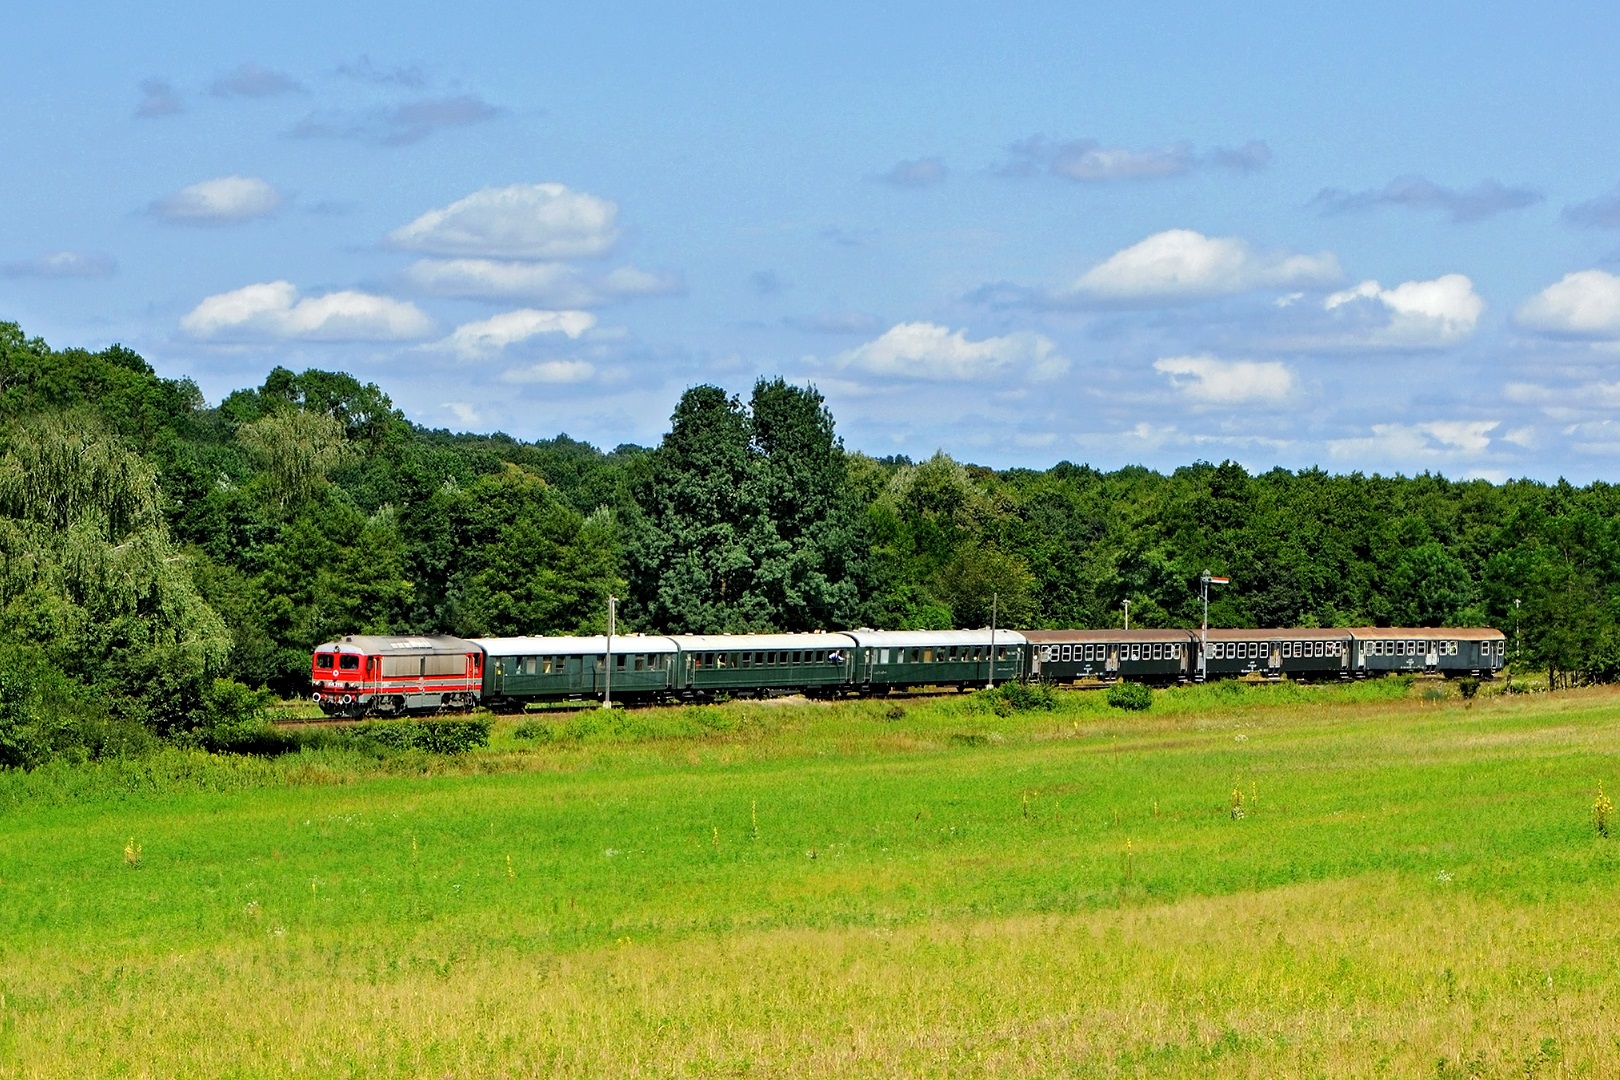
point(165, 561)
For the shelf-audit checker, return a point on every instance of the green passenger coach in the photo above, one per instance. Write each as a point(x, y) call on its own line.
point(522, 669)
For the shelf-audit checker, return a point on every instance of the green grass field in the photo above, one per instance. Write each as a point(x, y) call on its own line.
point(1414, 887)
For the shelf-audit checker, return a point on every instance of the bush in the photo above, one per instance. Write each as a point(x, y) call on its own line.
point(452, 735)
point(1011, 697)
point(538, 730)
point(1468, 686)
point(1129, 695)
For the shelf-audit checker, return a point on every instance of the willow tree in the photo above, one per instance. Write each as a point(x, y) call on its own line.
point(89, 576)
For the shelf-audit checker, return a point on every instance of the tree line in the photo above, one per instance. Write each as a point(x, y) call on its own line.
point(165, 559)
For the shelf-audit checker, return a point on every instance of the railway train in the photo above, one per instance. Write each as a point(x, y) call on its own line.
point(375, 675)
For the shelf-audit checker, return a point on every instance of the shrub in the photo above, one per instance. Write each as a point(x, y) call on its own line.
point(451, 735)
point(1011, 697)
point(1129, 695)
point(1468, 686)
point(538, 730)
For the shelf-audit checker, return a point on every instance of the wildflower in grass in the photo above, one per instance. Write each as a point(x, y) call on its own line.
point(1237, 803)
point(132, 854)
point(252, 909)
point(509, 872)
point(1602, 811)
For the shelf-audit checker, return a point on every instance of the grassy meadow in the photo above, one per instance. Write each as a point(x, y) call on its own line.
point(1372, 880)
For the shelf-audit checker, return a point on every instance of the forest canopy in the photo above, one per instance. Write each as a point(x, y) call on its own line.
point(163, 555)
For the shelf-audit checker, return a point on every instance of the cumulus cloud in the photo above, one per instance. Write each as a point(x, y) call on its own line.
point(1413, 314)
point(1088, 160)
point(1585, 304)
point(225, 200)
point(1180, 264)
point(1485, 199)
point(551, 371)
point(491, 335)
point(253, 81)
point(158, 98)
point(921, 350)
point(1411, 445)
point(1212, 381)
point(273, 311)
point(398, 125)
point(523, 221)
point(62, 264)
point(924, 172)
point(555, 284)
point(1602, 212)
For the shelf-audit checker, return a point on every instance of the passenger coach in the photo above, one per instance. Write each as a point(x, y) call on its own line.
point(1162, 656)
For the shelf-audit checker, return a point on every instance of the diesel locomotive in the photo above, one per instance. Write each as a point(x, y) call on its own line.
point(375, 675)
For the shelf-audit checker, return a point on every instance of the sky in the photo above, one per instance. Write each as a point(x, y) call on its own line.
point(1370, 237)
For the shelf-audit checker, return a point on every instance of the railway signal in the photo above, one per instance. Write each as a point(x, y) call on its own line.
point(1206, 579)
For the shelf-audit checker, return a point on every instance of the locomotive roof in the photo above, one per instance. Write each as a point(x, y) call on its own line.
point(386, 645)
point(1280, 633)
point(1064, 637)
point(1455, 633)
point(751, 642)
point(628, 644)
point(905, 639)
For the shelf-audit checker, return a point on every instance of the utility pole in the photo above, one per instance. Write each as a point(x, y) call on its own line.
point(1518, 636)
point(1127, 614)
point(607, 695)
point(990, 684)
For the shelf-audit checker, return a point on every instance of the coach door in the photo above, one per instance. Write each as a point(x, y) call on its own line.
point(1275, 655)
point(1113, 658)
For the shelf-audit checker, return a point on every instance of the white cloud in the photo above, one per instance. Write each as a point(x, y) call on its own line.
point(1415, 313)
point(1180, 264)
point(555, 372)
point(1228, 382)
point(511, 327)
point(222, 201)
point(922, 350)
point(273, 311)
point(555, 284)
point(1583, 304)
point(524, 221)
point(1415, 444)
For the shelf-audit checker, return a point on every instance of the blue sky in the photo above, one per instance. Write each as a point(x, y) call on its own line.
point(1375, 236)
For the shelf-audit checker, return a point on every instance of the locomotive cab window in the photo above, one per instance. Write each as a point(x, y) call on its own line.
point(347, 662)
point(323, 660)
